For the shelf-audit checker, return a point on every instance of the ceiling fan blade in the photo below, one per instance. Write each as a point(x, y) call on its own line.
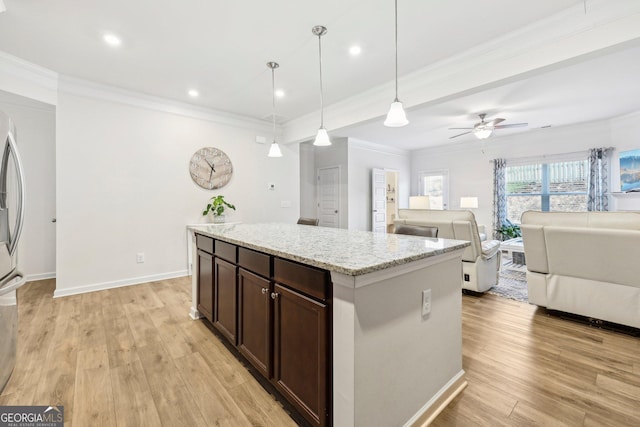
point(512, 125)
point(460, 128)
point(455, 136)
point(495, 121)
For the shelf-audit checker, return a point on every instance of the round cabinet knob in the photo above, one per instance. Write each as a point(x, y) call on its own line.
point(265, 290)
point(274, 295)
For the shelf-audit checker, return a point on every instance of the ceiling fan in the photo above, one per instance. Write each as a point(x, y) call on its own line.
point(483, 130)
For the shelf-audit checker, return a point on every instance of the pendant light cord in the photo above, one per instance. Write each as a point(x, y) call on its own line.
point(321, 91)
point(396, 15)
point(273, 93)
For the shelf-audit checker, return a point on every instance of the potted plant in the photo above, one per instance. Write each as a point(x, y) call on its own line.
point(509, 230)
point(215, 209)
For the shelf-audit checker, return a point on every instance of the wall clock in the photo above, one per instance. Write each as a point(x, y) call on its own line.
point(210, 168)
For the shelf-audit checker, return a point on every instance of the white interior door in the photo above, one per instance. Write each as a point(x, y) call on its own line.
point(329, 197)
point(379, 201)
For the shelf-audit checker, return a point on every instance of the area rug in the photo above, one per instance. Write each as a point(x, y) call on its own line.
point(512, 284)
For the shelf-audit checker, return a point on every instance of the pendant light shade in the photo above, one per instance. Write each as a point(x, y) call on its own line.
point(274, 150)
point(322, 138)
point(396, 116)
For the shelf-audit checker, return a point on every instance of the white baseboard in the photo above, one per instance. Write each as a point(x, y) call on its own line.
point(195, 314)
point(117, 283)
point(40, 276)
point(437, 403)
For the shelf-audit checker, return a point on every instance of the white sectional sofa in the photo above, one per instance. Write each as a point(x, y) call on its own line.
point(480, 261)
point(586, 263)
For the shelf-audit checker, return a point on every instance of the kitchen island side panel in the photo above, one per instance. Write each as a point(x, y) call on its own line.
point(390, 362)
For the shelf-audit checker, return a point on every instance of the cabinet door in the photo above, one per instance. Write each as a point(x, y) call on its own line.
point(301, 356)
point(205, 284)
point(224, 315)
point(254, 320)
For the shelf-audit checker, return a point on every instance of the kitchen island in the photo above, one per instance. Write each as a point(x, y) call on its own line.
point(351, 303)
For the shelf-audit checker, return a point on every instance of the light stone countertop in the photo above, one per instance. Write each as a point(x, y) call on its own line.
point(349, 252)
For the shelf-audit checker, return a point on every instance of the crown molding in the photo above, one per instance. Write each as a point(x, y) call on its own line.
point(85, 88)
point(27, 79)
point(568, 36)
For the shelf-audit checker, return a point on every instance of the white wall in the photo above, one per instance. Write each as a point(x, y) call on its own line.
point(363, 157)
point(35, 128)
point(123, 187)
point(308, 180)
point(471, 172)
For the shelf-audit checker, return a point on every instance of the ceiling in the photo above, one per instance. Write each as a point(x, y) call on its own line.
point(594, 89)
point(221, 48)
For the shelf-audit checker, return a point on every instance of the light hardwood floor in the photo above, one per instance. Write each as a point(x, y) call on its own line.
point(132, 357)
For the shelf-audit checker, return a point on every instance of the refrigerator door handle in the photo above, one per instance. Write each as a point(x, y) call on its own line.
point(13, 244)
point(5, 289)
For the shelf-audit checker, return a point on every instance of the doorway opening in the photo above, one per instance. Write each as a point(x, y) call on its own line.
point(384, 200)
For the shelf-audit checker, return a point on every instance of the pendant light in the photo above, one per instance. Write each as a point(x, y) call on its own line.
point(322, 138)
point(274, 150)
point(396, 116)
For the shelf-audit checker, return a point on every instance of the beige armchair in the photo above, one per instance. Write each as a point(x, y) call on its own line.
point(480, 261)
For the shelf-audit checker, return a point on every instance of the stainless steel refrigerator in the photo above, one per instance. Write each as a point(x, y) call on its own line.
point(11, 221)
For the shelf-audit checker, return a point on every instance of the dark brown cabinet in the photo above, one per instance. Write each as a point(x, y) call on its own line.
point(224, 315)
point(205, 276)
point(300, 355)
point(278, 314)
point(254, 320)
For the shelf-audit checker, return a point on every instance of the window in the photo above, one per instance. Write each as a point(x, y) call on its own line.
point(548, 187)
point(435, 185)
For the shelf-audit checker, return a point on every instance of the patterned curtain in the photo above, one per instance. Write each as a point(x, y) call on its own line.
point(597, 199)
point(499, 196)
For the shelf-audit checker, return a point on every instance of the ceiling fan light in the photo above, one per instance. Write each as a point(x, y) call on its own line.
point(274, 150)
point(483, 132)
point(396, 116)
point(322, 138)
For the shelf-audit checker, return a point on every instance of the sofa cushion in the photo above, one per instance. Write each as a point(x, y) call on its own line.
point(598, 254)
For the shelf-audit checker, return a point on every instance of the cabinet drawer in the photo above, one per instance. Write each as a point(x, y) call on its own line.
point(226, 251)
point(308, 280)
point(205, 243)
point(254, 261)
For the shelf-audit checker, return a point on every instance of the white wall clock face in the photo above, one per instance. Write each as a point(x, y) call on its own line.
point(210, 168)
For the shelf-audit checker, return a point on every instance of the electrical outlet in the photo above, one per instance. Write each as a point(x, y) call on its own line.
point(426, 302)
point(140, 257)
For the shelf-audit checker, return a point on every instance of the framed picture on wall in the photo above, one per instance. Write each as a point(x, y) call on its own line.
point(630, 170)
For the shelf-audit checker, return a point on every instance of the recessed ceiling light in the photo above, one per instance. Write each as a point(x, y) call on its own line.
point(279, 93)
point(193, 93)
point(112, 40)
point(355, 50)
